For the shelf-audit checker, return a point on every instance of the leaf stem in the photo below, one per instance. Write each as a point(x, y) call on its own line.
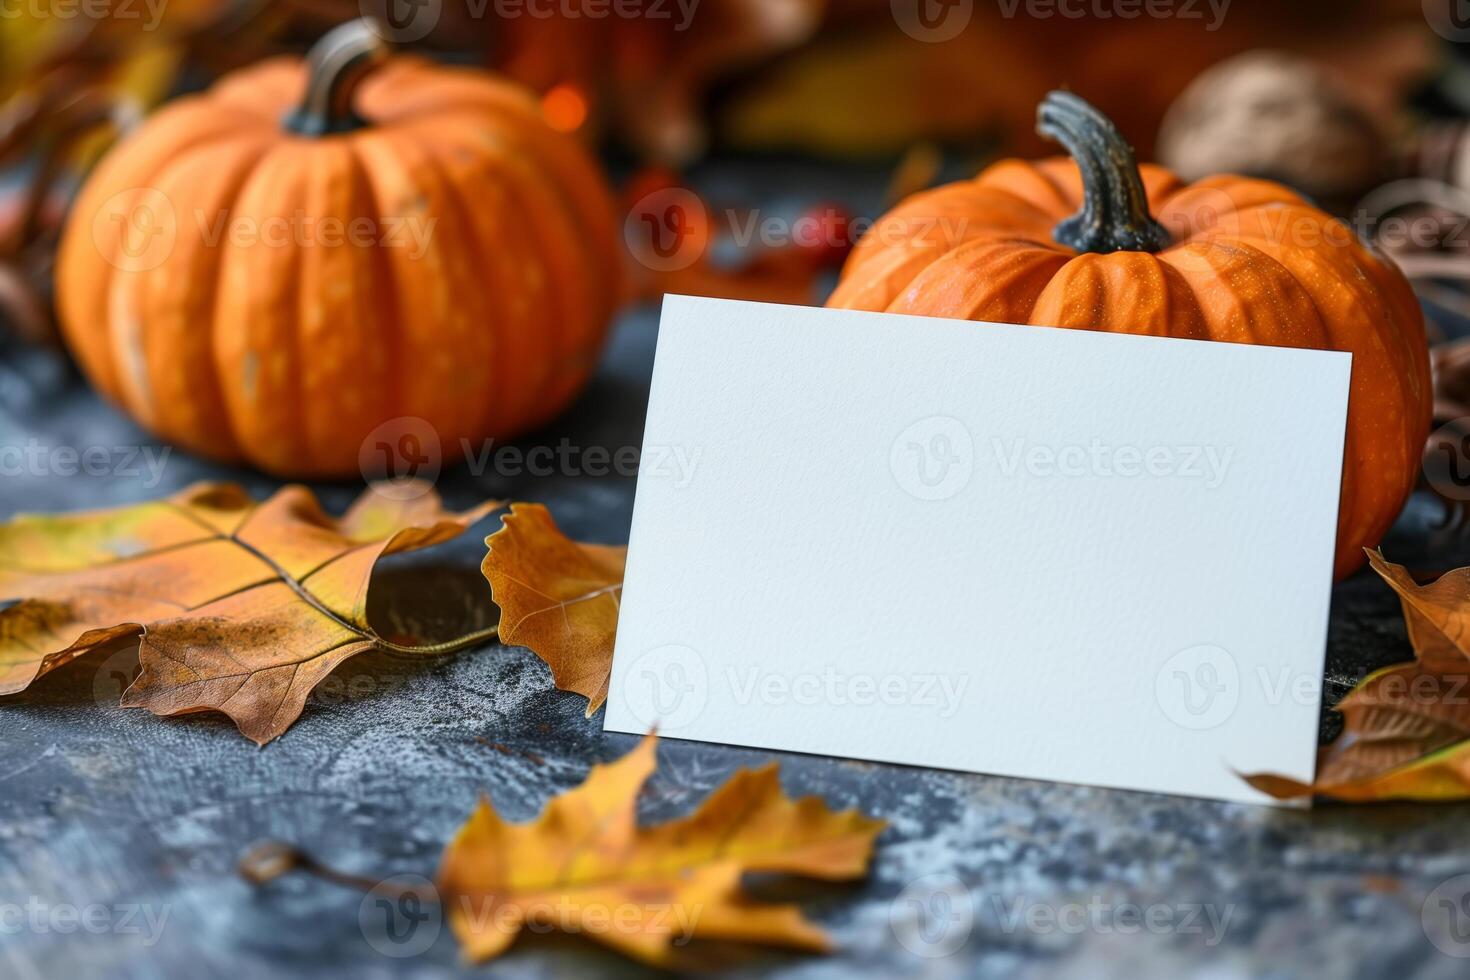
point(432, 649)
point(269, 860)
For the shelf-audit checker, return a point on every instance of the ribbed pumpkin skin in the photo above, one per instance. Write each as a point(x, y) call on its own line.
point(1250, 262)
point(287, 352)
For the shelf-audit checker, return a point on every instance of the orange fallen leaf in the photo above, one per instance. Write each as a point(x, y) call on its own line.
point(557, 597)
point(585, 866)
point(1406, 728)
point(240, 607)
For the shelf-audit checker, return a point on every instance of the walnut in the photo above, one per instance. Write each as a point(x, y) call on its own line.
point(1276, 115)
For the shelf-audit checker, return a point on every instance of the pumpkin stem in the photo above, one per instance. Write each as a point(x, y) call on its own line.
point(1114, 215)
point(336, 66)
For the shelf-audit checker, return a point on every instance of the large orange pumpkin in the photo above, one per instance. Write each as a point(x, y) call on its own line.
point(1098, 243)
point(270, 270)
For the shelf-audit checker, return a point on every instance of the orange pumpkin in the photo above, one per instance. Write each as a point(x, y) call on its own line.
point(270, 270)
point(1227, 258)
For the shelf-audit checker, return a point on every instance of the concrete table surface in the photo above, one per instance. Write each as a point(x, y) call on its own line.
point(141, 819)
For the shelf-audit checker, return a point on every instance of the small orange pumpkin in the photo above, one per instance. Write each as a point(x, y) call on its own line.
point(270, 270)
point(1227, 258)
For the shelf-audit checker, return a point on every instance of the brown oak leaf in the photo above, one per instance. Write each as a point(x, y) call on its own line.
point(239, 607)
point(1437, 615)
point(586, 866)
point(1405, 733)
point(557, 597)
point(1406, 728)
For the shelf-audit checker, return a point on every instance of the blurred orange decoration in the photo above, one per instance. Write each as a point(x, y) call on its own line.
point(565, 107)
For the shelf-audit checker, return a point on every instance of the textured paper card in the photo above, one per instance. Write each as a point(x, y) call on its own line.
point(1054, 554)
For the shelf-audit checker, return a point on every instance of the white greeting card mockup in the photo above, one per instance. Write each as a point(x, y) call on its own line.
point(1054, 554)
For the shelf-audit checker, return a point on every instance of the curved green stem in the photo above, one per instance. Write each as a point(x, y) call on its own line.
point(1114, 215)
point(336, 66)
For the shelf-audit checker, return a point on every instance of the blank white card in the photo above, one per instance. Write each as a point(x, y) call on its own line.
point(1043, 553)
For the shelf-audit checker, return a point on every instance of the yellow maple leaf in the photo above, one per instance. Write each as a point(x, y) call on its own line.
point(557, 597)
point(585, 866)
point(240, 607)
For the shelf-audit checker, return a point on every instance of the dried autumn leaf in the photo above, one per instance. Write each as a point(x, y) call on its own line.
point(586, 866)
point(1404, 737)
point(1437, 615)
point(557, 597)
point(1406, 728)
point(241, 607)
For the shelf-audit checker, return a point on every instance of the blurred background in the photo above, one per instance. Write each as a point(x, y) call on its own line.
point(1340, 98)
point(768, 133)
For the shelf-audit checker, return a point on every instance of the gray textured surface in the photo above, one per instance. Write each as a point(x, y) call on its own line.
point(99, 805)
